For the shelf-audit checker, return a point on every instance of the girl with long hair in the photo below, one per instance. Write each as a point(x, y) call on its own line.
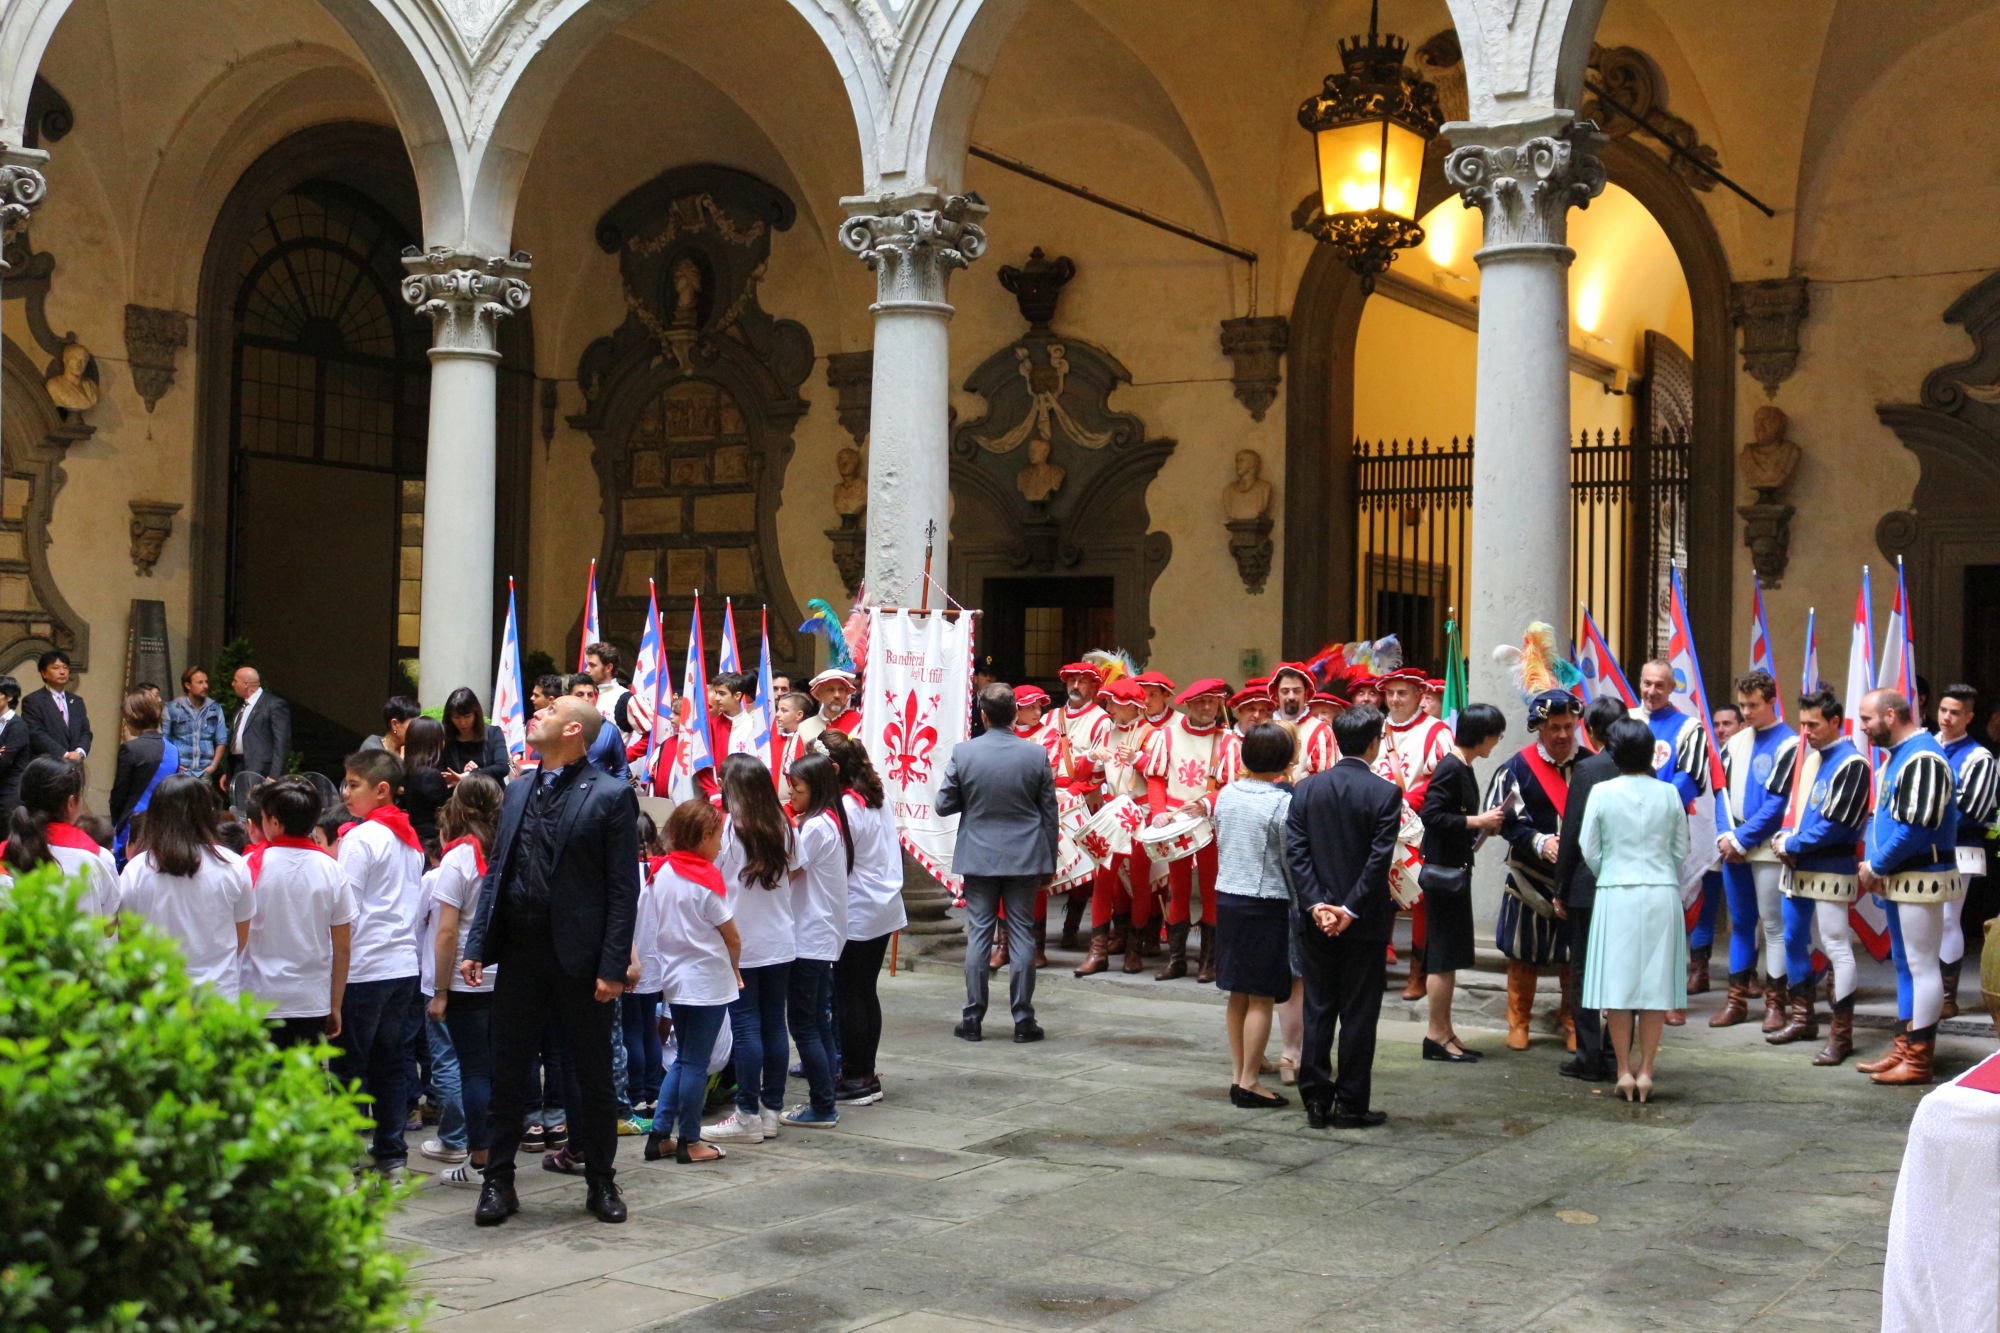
point(819, 914)
point(756, 861)
point(424, 788)
point(874, 915)
point(42, 830)
point(698, 947)
point(471, 744)
point(145, 760)
point(187, 884)
point(458, 1014)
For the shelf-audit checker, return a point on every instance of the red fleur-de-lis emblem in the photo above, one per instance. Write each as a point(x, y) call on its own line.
point(1131, 817)
point(1193, 773)
point(909, 740)
point(1096, 846)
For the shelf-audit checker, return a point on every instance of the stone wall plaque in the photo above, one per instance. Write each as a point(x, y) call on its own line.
point(146, 646)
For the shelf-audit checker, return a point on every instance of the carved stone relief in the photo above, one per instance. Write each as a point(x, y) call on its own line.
point(1256, 344)
point(34, 439)
point(1768, 314)
point(152, 524)
point(152, 337)
point(691, 403)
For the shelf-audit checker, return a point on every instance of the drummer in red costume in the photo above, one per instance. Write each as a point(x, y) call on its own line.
point(1326, 706)
point(1412, 744)
point(1084, 726)
point(1291, 693)
point(1157, 708)
point(834, 689)
point(1365, 691)
point(1180, 764)
point(1121, 894)
point(1433, 700)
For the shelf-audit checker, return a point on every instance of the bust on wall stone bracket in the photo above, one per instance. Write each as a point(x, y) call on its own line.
point(1769, 314)
point(1246, 513)
point(1256, 344)
point(1767, 464)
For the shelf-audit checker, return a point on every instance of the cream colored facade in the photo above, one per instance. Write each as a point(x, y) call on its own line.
point(526, 120)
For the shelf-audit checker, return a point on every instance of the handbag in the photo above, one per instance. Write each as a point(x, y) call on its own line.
point(1444, 881)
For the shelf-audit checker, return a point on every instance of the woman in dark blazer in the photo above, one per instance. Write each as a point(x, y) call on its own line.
point(1452, 825)
point(16, 746)
point(145, 759)
point(469, 744)
point(424, 787)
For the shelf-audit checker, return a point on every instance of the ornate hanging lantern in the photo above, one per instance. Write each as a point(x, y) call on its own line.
point(1370, 124)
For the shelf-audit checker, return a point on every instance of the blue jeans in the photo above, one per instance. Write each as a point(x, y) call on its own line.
point(374, 1046)
point(618, 1069)
point(811, 1013)
point(445, 1082)
point(548, 1083)
point(465, 1015)
point(685, 1086)
point(757, 1026)
point(638, 1015)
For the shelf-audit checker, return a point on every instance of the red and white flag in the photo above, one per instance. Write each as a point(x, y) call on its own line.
point(1868, 916)
point(1761, 656)
point(592, 631)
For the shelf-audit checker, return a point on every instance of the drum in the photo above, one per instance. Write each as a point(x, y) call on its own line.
point(1073, 863)
point(1408, 862)
point(1186, 833)
point(1108, 833)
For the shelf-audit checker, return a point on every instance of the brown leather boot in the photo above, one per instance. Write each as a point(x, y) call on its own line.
point(1916, 1066)
point(1204, 965)
point(1149, 942)
point(1698, 970)
point(1099, 959)
point(1176, 953)
point(1135, 953)
point(1736, 1003)
point(1950, 971)
point(998, 958)
point(1566, 1012)
point(1121, 925)
point(1890, 1058)
point(1801, 1021)
point(1776, 995)
point(1520, 1004)
point(1416, 990)
point(1042, 942)
point(1073, 910)
point(1839, 1035)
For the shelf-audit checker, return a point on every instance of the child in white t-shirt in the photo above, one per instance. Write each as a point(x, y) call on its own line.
point(43, 829)
point(187, 884)
point(819, 915)
point(698, 949)
point(467, 824)
point(296, 956)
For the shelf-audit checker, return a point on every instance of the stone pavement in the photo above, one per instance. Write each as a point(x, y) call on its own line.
point(1102, 1180)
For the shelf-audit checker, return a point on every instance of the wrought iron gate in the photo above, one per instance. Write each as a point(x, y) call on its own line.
point(1628, 528)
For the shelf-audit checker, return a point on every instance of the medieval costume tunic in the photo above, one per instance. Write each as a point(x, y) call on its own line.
point(1912, 847)
point(1977, 781)
point(1757, 765)
point(1180, 764)
point(1532, 788)
point(1410, 752)
point(1121, 895)
point(1827, 816)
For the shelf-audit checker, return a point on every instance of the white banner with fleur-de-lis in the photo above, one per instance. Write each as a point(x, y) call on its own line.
point(916, 706)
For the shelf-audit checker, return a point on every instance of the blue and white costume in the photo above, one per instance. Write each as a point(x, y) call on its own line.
point(1757, 767)
point(1976, 782)
point(1912, 847)
point(1831, 821)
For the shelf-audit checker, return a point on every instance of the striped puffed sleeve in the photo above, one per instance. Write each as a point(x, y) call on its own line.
point(1783, 767)
point(1978, 786)
point(1923, 790)
point(1846, 800)
point(1691, 755)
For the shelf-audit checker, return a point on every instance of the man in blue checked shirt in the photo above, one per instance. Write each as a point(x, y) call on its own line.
point(194, 725)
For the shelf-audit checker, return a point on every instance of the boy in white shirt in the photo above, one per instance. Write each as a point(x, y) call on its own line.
point(297, 957)
point(384, 862)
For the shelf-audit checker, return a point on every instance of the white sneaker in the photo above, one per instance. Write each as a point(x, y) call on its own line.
point(735, 1128)
point(463, 1174)
point(770, 1119)
point(437, 1152)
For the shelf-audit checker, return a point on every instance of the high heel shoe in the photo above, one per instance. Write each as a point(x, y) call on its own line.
point(1644, 1085)
point(1625, 1087)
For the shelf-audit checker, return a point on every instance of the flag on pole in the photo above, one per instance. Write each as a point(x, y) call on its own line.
point(1454, 674)
point(1602, 678)
point(1688, 695)
point(1868, 917)
point(759, 739)
point(649, 673)
point(592, 631)
point(726, 657)
point(1761, 657)
point(693, 753)
point(1809, 678)
point(1899, 656)
point(509, 708)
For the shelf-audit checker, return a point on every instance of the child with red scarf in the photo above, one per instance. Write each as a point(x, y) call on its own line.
point(467, 824)
point(296, 959)
point(698, 949)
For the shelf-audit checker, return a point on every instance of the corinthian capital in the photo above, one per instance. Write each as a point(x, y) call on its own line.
point(914, 249)
point(464, 296)
point(1526, 177)
point(21, 189)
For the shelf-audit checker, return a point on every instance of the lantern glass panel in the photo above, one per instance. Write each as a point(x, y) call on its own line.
point(1369, 165)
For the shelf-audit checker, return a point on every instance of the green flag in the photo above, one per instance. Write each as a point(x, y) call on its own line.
point(1454, 674)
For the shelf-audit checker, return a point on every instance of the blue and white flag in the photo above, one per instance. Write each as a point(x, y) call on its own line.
point(1809, 678)
point(756, 738)
point(593, 632)
point(727, 659)
point(1761, 656)
point(649, 674)
point(692, 754)
point(1899, 655)
point(509, 708)
point(1602, 677)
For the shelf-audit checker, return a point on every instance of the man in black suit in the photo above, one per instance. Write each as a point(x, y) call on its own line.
point(1576, 890)
point(16, 747)
point(555, 915)
point(260, 737)
point(1339, 841)
point(58, 725)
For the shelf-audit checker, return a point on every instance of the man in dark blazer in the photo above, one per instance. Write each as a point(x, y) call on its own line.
point(1340, 838)
point(58, 724)
point(16, 747)
point(260, 735)
point(1576, 890)
point(555, 917)
point(1002, 789)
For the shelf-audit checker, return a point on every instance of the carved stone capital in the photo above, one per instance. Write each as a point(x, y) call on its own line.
point(152, 336)
point(1256, 344)
point(465, 296)
point(21, 188)
point(1250, 544)
point(1767, 531)
point(1769, 314)
point(1526, 177)
point(152, 524)
point(913, 250)
point(851, 376)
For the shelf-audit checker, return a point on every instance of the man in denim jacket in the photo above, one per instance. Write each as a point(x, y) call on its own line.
point(195, 726)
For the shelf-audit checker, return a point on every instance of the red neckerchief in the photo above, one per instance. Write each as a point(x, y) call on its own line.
point(478, 853)
point(653, 864)
point(1554, 785)
point(392, 818)
point(256, 854)
point(699, 870)
point(60, 834)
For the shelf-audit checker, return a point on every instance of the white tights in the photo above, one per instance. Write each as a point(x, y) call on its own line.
point(1923, 924)
point(1769, 876)
point(1951, 949)
point(1836, 938)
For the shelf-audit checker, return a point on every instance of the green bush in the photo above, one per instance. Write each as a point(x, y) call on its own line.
point(169, 1171)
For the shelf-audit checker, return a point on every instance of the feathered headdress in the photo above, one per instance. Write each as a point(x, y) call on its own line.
point(1115, 664)
point(819, 620)
point(1538, 665)
point(1338, 663)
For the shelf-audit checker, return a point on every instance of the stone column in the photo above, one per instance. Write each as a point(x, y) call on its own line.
point(21, 191)
point(1524, 177)
point(465, 297)
point(912, 242)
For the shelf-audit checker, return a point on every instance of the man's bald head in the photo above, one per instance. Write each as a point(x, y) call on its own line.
point(564, 731)
point(246, 682)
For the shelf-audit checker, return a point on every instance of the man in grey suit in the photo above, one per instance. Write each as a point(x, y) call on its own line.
point(1002, 789)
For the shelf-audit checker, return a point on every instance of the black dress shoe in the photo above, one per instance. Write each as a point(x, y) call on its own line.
point(605, 1201)
point(1358, 1119)
point(1256, 1099)
point(1028, 1030)
point(967, 1030)
point(497, 1203)
point(1318, 1116)
point(1589, 1073)
point(1438, 1051)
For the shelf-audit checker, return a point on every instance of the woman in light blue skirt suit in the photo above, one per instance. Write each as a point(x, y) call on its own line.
point(1634, 838)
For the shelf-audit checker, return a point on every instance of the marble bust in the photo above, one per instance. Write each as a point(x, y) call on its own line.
point(1040, 478)
point(1769, 460)
point(687, 287)
point(68, 387)
point(1248, 498)
point(850, 493)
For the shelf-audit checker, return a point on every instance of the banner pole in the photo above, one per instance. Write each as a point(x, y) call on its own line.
point(930, 538)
